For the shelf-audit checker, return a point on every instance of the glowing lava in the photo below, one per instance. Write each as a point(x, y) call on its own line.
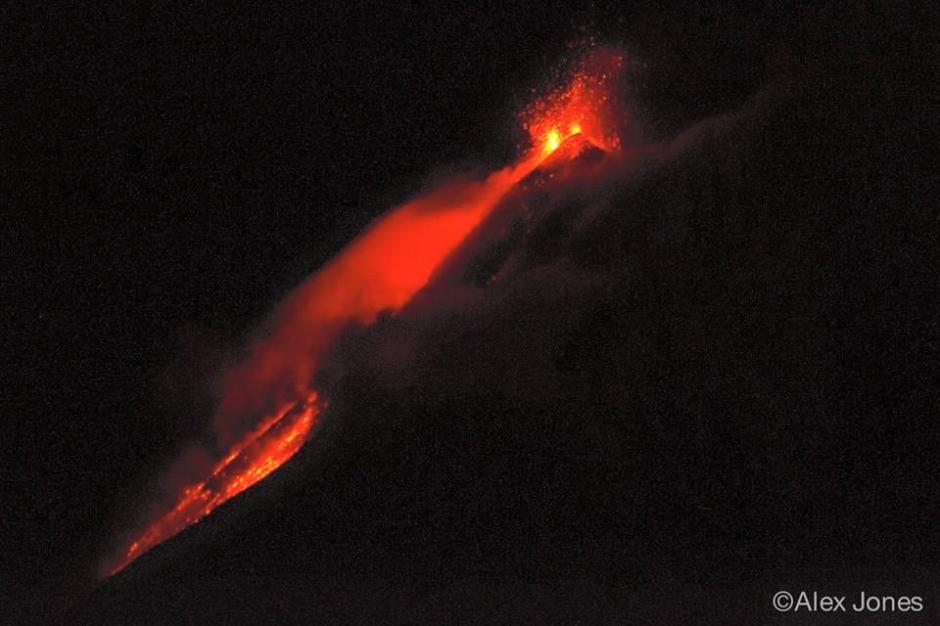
point(276, 439)
point(585, 105)
point(552, 141)
point(269, 406)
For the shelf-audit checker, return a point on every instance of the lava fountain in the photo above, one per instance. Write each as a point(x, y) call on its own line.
point(269, 405)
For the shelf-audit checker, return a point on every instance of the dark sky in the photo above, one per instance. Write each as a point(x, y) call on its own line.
point(171, 172)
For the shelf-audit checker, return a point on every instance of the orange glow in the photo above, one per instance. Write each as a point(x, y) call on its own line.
point(584, 105)
point(269, 406)
point(381, 270)
point(277, 438)
point(552, 141)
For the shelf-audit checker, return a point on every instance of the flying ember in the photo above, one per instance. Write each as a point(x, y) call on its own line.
point(269, 407)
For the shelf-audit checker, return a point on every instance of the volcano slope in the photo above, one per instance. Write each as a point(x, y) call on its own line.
point(653, 388)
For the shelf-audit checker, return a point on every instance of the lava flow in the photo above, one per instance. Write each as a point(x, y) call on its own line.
point(269, 406)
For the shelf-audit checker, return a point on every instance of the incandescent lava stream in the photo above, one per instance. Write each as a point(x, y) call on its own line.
point(379, 271)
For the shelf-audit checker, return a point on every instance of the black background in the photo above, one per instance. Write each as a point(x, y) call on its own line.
point(170, 172)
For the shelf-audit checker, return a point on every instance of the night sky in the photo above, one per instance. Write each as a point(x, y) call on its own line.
point(170, 173)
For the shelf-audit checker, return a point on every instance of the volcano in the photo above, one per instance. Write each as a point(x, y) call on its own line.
point(609, 381)
point(271, 400)
point(606, 380)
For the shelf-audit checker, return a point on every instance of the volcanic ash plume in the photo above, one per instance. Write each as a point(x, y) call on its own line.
point(269, 406)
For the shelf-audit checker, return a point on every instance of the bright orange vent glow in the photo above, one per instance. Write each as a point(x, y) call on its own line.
point(583, 106)
point(269, 407)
